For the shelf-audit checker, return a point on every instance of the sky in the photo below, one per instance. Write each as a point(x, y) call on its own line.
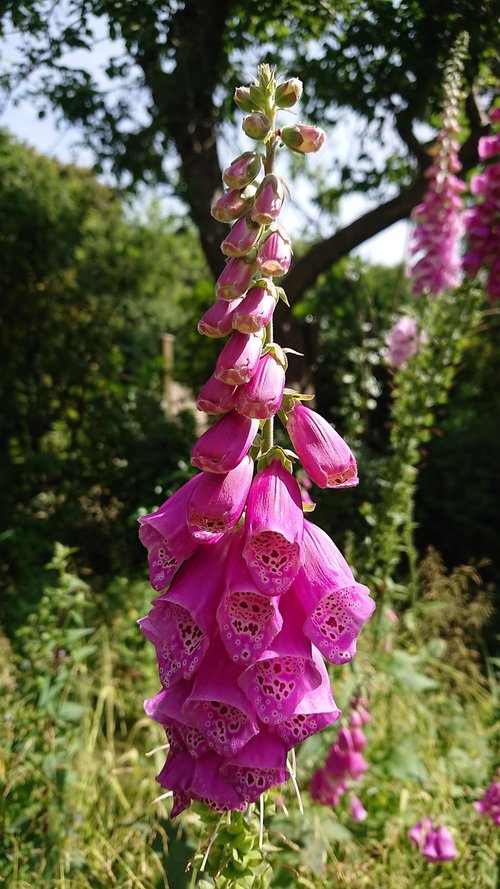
point(65, 144)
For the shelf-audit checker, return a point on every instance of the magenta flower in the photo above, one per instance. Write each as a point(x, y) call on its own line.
point(336, 606)
point(217, 502)
point(243, 170)
point(358, 811)
point(166, 536)
point(489, 804)
point(261, 397)
point(274, 255)
point(248, 621)
point(218, 319)
point(326, 788)
point(261, 764)
point(439, 846)
point(274, 526)
point(418, 833)
point(181, 622)
point(234, 279)
point(255, 311)
point(284, 673)
point(303, 138)
point(224, 444)
point(242, 237)
point(221, 711)
point(482, 221)
point(402, 341)
point(231, 205)
point(239, 358)
point(314, 712)
point(215, 397)
point(268, 200)
point(325, 456)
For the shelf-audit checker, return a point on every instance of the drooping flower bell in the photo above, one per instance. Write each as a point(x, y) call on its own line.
point(489, 804)
point(402, 341)
point(482, 221)
point(325, 456)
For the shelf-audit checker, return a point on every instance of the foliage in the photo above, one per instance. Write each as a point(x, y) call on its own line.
point(381, 60)
point(75, 807)
point(84, 440)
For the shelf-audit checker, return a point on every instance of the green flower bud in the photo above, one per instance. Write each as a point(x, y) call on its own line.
point(288, 93)
point(242, 98)
point(256, 125)
point(303, 138)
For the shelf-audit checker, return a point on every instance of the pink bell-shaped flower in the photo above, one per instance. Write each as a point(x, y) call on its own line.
point(218, 319)
point(314, 712)
point(418, 832)
point(489, 804)
point(217, 501)
point(234, 279)
point(242, 170)
point(210, 787)
point(261, 396)
point(274, 255)
point(218, 707)
point(255, 310)
point(167, 709)
point(216, 397)
point(225, 443)
point(336, 606)
point(285, 673)
point(181, 622)
point(248, 621)
point(242, 237)
point(268, 200)
point(439, 846)
point(326, 788)
point(238, 360)
point(402, 341)
point(261, 764)
point(166, 536)
point(274, 526)
point(325, 456)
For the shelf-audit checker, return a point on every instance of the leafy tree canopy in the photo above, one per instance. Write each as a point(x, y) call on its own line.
point(172, 67)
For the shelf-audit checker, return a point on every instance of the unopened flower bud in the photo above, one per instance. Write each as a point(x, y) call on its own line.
point(288, 93)
point(233, 203)
point(256, 125)
point(234, 279)
point(268, 200)
point(303, 138)
point(243, 170)
point(275, 254)
point(242, 237)
point(257, 95)
point(242, 98)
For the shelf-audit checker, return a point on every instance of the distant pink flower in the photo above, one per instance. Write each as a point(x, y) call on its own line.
point(439, 846)
point(325, 456)
point(402, 341)
point(489, 804)
point(418, 833)
point(482, 221)
point(358, 811)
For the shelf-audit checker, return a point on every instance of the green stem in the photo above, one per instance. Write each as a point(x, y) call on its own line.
point(268, 428)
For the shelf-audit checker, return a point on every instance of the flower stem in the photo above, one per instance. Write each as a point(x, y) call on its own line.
point(268, 428)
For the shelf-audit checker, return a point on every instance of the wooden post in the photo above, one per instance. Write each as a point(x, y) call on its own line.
point(167, 351)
